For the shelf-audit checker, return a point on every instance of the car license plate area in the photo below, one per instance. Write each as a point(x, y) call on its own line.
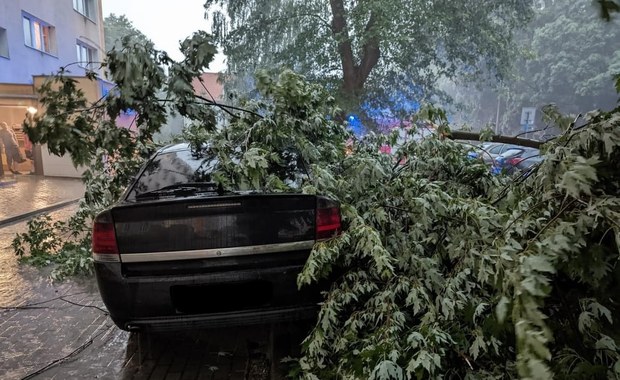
point(216, 298)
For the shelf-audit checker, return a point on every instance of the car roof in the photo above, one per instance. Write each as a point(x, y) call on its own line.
point(174, 148)
point(511, 151)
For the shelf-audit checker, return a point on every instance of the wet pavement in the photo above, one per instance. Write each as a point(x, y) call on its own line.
point(21, 194)
point(62, 331)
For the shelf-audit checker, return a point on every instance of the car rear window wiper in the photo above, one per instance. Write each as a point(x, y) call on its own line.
point(183, 190)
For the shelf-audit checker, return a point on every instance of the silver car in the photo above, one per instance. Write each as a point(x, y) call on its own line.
point(490, 151)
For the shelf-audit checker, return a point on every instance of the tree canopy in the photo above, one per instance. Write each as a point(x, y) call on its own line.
point(573, 57)
point(117, 27)
point(389, 53)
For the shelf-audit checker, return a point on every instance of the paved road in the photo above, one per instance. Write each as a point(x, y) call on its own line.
point(61, 331)
point(24, 193)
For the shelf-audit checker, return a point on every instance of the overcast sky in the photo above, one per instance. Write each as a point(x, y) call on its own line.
point(165, 23)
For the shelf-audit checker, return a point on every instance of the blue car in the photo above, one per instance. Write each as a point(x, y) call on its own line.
point(508, 161)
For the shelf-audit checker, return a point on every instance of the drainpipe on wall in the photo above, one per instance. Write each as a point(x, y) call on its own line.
point(37, 159)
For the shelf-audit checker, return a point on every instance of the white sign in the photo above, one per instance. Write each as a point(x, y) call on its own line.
point(528, 116)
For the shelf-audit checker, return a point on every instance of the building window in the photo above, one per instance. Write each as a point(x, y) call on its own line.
point(38, 35)
point(4, 44)
point(85, 7)
point(86, 56)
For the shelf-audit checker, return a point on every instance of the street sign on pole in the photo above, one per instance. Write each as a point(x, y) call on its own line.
point(528, 117)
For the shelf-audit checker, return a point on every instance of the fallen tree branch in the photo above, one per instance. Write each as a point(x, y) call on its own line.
point(515, 140)
point(461, 135)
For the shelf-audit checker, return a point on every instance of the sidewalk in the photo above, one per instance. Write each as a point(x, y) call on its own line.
point(22, 196)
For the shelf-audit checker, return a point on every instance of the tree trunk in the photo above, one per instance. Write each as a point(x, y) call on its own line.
point(354, 74)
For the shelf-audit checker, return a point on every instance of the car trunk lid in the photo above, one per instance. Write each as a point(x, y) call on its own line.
point(221, 223)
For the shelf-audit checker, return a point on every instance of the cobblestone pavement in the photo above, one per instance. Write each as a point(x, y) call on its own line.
point(24, 193)
point(61, 331)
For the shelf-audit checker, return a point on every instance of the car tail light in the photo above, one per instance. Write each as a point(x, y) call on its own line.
point(514, 161)
point(328, 222)
point(104, 238)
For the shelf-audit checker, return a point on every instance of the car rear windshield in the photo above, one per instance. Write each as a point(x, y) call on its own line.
point(184, 166)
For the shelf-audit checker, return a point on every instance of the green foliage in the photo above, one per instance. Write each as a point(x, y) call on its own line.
point(574, 56)
point(290, 115)
point(116, 28)
point(377, 51)
point(487, 134)
point(110, 155)
point(447, 275)
point(442, 271)
point(55, 242)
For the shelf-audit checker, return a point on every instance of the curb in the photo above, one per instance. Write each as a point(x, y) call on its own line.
point(8, 182)
point(30, 214)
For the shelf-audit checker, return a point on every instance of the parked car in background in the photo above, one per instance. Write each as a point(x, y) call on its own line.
point(527, 163)
point(489, 151)
point(180, 251)
point(507, 162)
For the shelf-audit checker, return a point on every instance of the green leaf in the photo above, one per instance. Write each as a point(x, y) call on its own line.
point(502, 309)
point(606, 343)
point(479, 310)
point(387, 370)
point(600, 311)
point(478, 345)
point(539, 370)
point(585, 321)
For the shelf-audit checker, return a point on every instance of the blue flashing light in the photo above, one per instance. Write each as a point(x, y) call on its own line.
point(355, 125)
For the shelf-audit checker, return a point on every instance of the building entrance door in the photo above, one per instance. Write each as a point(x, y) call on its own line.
point(16, 150)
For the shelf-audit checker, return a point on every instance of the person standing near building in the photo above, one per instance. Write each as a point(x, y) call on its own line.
point(1, 160)
point(11, 147)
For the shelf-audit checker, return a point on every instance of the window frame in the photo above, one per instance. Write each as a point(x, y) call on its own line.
point(38, 34)
point(4, 43)
point(86, 8)
point(507, 147)
point(91, 53)
point(495, 150)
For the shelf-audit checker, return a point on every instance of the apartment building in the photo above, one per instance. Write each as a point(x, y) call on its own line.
point(37, 37)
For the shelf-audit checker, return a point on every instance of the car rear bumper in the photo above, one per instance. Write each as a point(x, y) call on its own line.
point(221, 298)
point(228, 319)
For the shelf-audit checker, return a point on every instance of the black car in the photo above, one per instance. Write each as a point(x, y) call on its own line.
point(180, 251)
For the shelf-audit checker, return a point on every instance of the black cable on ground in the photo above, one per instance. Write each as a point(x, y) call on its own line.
point(73, 353)
point(91, 306)
point(34, 305)
point(30, 305)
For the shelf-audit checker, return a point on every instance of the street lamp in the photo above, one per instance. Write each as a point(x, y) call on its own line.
point(31, 110)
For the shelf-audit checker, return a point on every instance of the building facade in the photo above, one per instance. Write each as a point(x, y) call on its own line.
point(37, 37)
